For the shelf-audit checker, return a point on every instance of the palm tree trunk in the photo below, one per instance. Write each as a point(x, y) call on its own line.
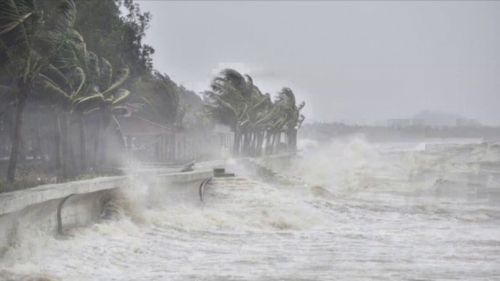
point(16, 142)
point(287, 142)
point(39, 142)
point(293, 140)
point(173, 146)
point(268, 142)
point(64, 145)
point(97, 141)
point(273, 145)
point(104, 148)
point(260, 140)
point(236, 143)
point(72, 168)
point(250, 144)
point(241, 145)
point(245, 144)
point(256, 144)
point(251, 147)
point(82, 143)
point(256, 137)
point(58, 146)
point(97, 145)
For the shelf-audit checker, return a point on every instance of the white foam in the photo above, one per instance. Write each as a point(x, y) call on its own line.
point(356, 226)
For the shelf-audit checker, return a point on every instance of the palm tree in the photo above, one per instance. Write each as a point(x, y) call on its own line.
point(105, 105)
point(61, 90)
point(276, 125)
point(286, 100)
point(260, 117)
point(61, 84)
point(159, 96)
point(235, 101)
point(159, 93)
point(229, 101)
point(28, 41)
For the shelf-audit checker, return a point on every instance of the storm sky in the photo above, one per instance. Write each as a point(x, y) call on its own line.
point(357, 61)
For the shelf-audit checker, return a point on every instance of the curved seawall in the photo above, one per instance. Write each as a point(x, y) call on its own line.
point(57, 207)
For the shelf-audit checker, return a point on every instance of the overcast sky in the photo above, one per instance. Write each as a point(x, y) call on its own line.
point(347, 60)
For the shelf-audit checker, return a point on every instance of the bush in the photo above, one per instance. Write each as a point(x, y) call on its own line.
point(18, 185)
point(26, 178)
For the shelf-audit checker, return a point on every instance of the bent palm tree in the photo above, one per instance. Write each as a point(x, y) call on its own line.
point(160, 100)
point(286, 100)
point(61, 84)
point(229, 101)
point(105, 105)
point(61, 90)
point(159, 94)
point(28, 41)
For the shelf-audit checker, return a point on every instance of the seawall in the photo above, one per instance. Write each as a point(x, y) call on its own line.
point(55, 208)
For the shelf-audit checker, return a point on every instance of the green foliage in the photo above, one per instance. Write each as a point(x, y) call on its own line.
point(31, 35)
point(286, 101)
point(26, 178)
point(160, 98)
point(19, 184)
point(28, 42)
point(235, 101)
point(90, 65)
point(114, 36)
point(229, 99)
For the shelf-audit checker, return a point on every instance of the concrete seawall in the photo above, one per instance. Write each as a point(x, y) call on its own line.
point(54, 208)
point(57, 207)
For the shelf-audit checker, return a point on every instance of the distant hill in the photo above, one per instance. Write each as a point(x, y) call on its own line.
point(424, 117)
point(440, 118)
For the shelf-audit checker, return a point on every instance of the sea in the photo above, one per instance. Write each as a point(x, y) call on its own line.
point(342, 210)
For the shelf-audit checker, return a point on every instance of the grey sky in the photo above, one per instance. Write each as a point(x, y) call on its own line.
point(348, 60)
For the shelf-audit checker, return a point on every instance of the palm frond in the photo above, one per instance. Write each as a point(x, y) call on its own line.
point(105, 75)
point(121, 78)
point(146, 101)
point(13, 13)
point(87, 112)
point(227, 105)
point(52, 73)
point(122, 96)
point(86, 103)
point(119, 111)
point(53, 92)
point(78, 78)
point(10, 26)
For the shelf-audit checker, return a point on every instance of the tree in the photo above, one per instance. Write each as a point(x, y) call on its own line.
point(60, 84)
point(114, 36)
point(105, 102)
point(160, 96)
point(260, 115)
point(235, 101)
point(31, 33)
point(286, 100)
point(229, 101)
point(61, 90)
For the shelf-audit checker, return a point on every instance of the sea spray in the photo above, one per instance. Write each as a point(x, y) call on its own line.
point(253, 231)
